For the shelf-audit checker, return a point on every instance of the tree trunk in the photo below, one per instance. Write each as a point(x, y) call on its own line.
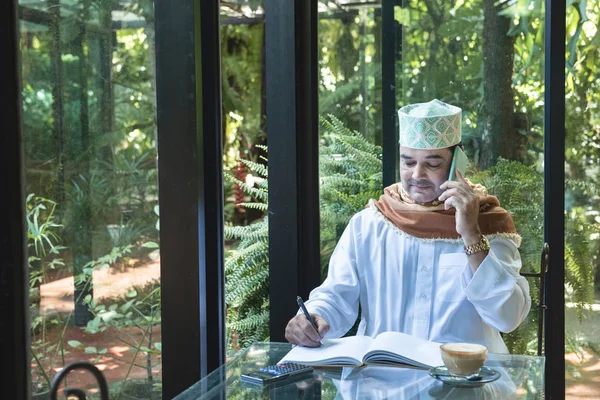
point(378, 89)
point(151, 38)
point(57, 99)
point(82, 240)
point(597, 281)
point(107, 102)
point(362, 32)
point(500, 137)
point(436, 11)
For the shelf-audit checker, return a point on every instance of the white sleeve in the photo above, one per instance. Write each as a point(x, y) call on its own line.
point(500, 295)
point(337, 298)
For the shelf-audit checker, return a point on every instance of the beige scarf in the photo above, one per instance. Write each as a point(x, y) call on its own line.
point(431, 221)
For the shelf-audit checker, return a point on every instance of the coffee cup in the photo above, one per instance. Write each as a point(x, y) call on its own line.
point(463, 359)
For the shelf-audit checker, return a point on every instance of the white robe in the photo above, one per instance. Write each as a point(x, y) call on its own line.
point(420, 287)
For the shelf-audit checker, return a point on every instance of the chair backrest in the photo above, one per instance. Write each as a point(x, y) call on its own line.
point(544, 265)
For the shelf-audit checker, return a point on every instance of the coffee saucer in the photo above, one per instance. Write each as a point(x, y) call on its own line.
point(485, 375)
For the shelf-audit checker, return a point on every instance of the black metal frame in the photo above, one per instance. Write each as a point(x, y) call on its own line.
point(293, 135)
point(61, 376)
point(14, 293)
point(189, 126)
point(48, 18)
point(210, 185)
point(542, 307)
point(388, 87)
point(554, 199)
point(190, 190)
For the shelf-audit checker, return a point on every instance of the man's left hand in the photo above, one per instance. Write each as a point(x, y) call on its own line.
point(463, 198)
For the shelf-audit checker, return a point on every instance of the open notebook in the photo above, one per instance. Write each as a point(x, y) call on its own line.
point(387, 348)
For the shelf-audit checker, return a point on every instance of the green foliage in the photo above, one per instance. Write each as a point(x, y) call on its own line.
point(48, 352)
point(102, 262)
point(520, 189)
point(42, 228)
point(242, 70)
point(442, 57)
point(350, 168)
point(247, 271)
point(350, 71)
point(350, 176)
point(139, 309)
point(579, 267)
point(44, 242)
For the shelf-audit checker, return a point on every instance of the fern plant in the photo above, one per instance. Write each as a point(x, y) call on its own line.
point(350, 169)
point(247, 268)
point(351, 175)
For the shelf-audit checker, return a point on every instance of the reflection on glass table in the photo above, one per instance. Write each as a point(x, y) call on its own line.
point(522, 378)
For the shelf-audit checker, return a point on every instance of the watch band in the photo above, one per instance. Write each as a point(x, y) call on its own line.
point(482, 245)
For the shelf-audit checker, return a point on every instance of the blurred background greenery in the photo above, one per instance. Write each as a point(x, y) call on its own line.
point(89, 108)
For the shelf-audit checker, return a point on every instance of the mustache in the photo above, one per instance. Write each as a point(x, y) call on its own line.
point(414, 182)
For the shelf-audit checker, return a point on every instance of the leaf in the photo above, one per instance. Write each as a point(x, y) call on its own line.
point(582, 10)
point(154, 255)
point(158, 346)
point(110, 315)
point(75, 343)
point(150, 245)
point(254, 4)
point(90, 350)
point(132, 293)
point(125, 307)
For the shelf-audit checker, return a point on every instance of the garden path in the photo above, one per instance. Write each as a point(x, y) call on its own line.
point(57, 297)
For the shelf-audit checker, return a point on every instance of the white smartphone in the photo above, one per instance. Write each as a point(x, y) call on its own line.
point(459, 161)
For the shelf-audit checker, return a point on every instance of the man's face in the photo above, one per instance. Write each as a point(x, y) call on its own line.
point(423, 171)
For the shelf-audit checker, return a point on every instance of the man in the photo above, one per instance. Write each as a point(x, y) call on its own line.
point(433, 258)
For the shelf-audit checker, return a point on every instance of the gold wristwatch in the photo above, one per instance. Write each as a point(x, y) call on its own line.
point(482, 245)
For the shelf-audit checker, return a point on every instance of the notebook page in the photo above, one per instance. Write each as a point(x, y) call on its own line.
point(348, 350)
point(407, 347)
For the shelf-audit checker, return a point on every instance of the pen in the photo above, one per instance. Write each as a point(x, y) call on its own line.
point(308, 317)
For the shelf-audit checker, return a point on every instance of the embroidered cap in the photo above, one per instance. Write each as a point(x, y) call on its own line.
point(433, 125)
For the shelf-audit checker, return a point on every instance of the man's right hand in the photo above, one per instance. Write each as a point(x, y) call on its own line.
point(300, 331)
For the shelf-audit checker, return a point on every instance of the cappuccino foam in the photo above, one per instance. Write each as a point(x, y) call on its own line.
point(464, 348)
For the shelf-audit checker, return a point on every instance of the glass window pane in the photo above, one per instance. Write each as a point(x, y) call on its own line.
point(582, 244)
point(245, 183)
point(488, 61)
point(484, 57)
point(350, 165)
point(487, 58)
point(92, 207)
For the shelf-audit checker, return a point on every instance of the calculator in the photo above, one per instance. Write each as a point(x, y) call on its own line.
point(277, 372)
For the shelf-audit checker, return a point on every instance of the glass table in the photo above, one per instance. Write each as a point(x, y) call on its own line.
point(522, 378)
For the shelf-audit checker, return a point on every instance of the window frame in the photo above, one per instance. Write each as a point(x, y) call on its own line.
point(190, 151)
point(14, 288)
